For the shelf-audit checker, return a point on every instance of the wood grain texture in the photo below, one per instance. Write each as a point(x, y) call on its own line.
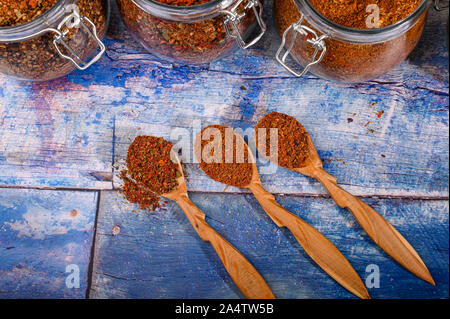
point(41, 233)
point(241, 271)
point(314, 243)
point(67, 132)
point(54, 134)
point(376, 227)
point(160, 256)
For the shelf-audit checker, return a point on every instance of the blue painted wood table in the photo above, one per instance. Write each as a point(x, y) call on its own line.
point(66, 231)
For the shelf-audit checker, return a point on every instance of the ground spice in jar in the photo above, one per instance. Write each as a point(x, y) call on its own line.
point(150, 171)
point(21, 11)
point(194, 42)
point(227, 162)
point(353, 14)
point(37, 58)
point(292, 139)
point(346, 61)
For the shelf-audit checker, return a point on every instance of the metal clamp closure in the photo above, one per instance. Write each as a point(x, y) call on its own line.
point(317, 43)
point(233, 20)
point(75, 20)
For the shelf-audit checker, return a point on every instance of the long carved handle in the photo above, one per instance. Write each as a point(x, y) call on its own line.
point(378, 228)
point(244, 275)
point(318, 247)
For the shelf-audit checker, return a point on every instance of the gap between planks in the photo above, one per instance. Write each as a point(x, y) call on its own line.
point(90, 272)
point(380, 196)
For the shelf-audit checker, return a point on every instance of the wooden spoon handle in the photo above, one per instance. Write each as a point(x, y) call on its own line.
point(317, 246)
point(378, 228)
point(244, 275)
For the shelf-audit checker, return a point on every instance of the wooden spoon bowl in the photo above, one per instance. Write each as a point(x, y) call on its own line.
point(380, 230)
point(317, 246)
point(244, 275)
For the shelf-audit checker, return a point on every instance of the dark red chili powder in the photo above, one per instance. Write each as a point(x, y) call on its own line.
point(151, 169)
point(292, 139)
point(235, 170)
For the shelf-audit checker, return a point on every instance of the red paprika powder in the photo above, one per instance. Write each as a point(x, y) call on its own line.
point(347, 60)
point(224, 160)
point(292, 139)
point(354, 14)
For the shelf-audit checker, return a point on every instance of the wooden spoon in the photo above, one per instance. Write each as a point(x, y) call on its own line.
point(244, 275)
point(317, 246)
point(380, 230)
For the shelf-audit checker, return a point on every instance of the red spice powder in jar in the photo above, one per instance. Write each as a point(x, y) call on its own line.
point(292, 140)
point(236, 169)
point(37, 58)
point(15, 12)
point(347, 61)
point(353, 13)
point(152, 171)
point(186, 42)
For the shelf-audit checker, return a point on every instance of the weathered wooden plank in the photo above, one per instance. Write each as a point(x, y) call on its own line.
point(160, 256)
point(65, 133)
point(45, 237)
point(54, 135)
point(409, 159)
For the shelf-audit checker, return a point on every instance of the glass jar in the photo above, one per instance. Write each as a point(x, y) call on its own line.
point(339, 53)
point(193, 34)
point(57, 42)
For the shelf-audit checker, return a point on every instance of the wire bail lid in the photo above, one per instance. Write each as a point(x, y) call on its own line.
point(317, 43)
point(233, 19)
point(75, 20)
point(209, 10)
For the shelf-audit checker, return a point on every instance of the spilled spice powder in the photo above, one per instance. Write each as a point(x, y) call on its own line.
point(292, 139)
point(151, 171)
point(379, 114)
point(232, 170)
point(145, 199)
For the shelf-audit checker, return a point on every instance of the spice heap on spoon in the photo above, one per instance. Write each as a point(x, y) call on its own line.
point(225, 157)
point(153, 170)
point(296, 152)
